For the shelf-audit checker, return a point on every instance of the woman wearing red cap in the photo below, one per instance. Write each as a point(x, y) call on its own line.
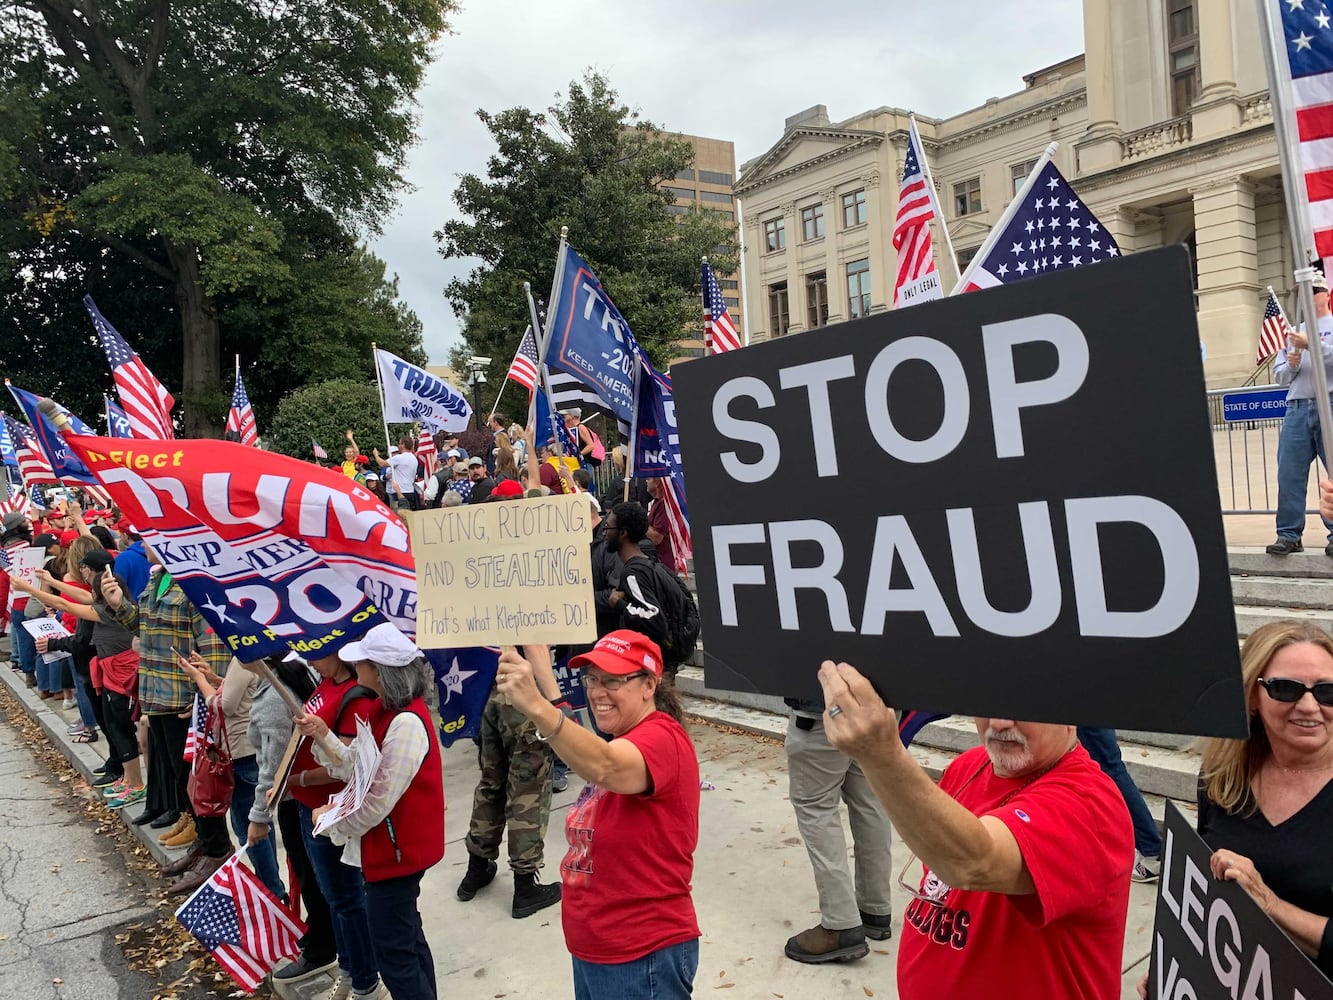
point(629, 926)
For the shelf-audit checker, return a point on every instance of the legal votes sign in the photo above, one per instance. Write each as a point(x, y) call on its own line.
point(955, 499)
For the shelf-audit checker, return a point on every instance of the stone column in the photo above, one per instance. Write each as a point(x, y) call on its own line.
point(756, 295)
point(1217, 110)
point(795, 282)
point(883, 262)
point(1100, 148)
point(1230, 309)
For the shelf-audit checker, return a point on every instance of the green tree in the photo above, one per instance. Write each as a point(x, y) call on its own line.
point(325, 411)
point(592, 165)
point(224, 147)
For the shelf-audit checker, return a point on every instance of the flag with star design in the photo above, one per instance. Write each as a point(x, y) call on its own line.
point(1051, 230)
point(463, 679)
point(1308, 41)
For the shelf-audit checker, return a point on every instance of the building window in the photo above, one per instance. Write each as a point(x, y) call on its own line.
point(678, 209)
point(812, 222)
point(728, 283)
point(685, 353)
point(686, 194)
point(775, 235)
point(1182, 54)
point(967, 197)
point(684, 175)
point(732, 303)
point(1019, 172)
point(965, 258)
point(853, 209)
point(721, 197)
point(816, 300)
point(713, 177)
point(858, 289)
point(778, 320)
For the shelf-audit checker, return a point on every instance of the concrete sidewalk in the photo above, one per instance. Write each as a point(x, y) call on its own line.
point(752, 887)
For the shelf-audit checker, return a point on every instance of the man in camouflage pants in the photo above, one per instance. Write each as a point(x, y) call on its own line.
point(515, 789)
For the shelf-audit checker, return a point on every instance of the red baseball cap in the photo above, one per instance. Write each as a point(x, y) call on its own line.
point(622, 653)
point(67, 538)
point(507, 489)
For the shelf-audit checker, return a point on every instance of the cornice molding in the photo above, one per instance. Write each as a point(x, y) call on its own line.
point(758, 177)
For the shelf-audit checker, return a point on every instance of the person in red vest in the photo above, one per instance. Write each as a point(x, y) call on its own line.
point(398, 833)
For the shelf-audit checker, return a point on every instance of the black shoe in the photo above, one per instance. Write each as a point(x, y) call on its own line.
point(531, 896)
point(149, 817)
point(819, 944)
point(1328, 550)
point(559, 782)
point(1285, 546)
point(480, 872)
point(167, 820)
point(875, 926)
point(108, 779)
point(302, 969)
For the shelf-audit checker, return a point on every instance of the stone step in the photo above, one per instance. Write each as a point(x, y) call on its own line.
point(1250, 617)
point(1281, 592)
point(933, 759)
point(1159, 763)
point(1312, 563)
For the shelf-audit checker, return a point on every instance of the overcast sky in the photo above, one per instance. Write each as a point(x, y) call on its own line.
point(727, 71)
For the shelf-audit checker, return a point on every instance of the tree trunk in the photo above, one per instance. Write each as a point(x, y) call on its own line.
point(201, 368)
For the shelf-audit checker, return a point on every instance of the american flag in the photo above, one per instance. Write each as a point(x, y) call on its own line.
point(198, 719)
point(427, 453)
point(719, 331)
point(677, 526)
point(146, 401)
point(236, 918)
point(1051, 230)
point(911, 229)
point(318, 451)
point(1309, 45)
point(241, 418)
point(18, 501)
point(1273, 332)
point(33, 466)
point(523, 370)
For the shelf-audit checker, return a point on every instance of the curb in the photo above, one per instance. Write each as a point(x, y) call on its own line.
point(81, 756)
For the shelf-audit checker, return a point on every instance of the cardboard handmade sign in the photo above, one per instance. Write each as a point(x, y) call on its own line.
point(1002, 503)
point(1211, 940)
point(507, 573)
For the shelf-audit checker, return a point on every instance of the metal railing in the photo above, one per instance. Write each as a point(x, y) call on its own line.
point(1246, 453)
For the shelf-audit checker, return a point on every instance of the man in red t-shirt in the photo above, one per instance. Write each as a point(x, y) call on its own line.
point(1026, 889)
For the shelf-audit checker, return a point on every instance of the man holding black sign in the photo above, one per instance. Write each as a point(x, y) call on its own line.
point(1026, 847)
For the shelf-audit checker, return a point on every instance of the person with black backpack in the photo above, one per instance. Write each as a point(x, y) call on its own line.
point(651, 599)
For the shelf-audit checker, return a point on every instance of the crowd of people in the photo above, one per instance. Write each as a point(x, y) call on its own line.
point(1021, 856)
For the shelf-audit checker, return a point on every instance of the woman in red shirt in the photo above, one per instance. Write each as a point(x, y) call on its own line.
point(630, 927)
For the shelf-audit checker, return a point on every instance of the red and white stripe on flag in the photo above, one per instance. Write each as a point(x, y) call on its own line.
point(1308, 41)
point(1273, 332)
point(720, 332)
point(523, 370)
point(427, 453)
point(677, 526)
point(197, 722)
point(911, 231)
point(267, 931)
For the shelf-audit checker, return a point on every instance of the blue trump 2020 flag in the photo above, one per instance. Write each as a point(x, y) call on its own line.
point(413, 395)
point(64, 463)
point(657, 440)
point(463, 678)
point(118, 424)
point(588, 338)
point(8, 456)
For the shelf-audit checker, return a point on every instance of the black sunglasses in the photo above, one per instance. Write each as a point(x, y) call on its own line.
point(1286, 690)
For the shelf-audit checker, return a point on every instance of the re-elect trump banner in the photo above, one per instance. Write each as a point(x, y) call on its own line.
point(993, 504)
point(1211, 941)
point(588, 337)
point(276, 555)
point(414, 395)
point(463, 680)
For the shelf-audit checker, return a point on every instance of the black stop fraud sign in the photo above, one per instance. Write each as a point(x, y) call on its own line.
point(1002, 503)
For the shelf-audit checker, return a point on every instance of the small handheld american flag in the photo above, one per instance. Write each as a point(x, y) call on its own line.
point(523, 370)
point(241, 418)
point(1273, 332)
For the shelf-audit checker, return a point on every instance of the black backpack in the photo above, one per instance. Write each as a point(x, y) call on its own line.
point(682, 616)
point(443, 477)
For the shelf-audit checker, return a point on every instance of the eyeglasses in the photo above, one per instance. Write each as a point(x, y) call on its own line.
point(914, 890)
point(1286, 690)
point(610, 683)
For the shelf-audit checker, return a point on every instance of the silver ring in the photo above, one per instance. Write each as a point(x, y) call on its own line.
point(834, 711)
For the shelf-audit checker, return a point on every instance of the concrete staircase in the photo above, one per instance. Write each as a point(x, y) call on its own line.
point(1164, 765)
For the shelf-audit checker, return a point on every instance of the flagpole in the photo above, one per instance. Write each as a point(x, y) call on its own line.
point(384, 416)
point(633, 441)
point(703, 297)
point(106, 412)
point(1003, 224)
point(930, 190)
point(542, 371)
point(1298, 211)
point(499, 395)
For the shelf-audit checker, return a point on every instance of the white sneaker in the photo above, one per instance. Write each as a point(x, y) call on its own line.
point(1145, 869)
point(342, 989)
point(376, 992)
point(68, 703)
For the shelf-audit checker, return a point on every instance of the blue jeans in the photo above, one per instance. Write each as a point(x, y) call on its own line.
point(345, 892)
point(665, 974)
point(50, 675)
point(24, 646)
point(1297, 446)
point(401, 950)
point(1103, 748)
point(83, 694)
point(263, 855)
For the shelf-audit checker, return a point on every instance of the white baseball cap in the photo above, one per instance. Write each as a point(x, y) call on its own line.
point(383, 645)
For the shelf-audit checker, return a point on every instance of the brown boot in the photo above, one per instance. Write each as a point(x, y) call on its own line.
point(184, 838)
point(200, 873)
point(819, 944)
point(181, 865)
point(166, 835)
